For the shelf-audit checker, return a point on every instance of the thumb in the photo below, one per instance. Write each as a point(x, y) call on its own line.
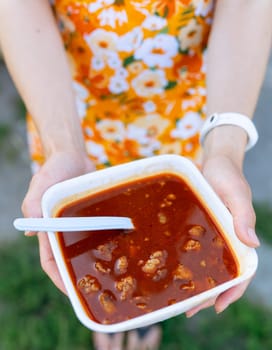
point(31, 206)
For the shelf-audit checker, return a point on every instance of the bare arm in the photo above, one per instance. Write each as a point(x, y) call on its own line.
point(36, 59)
point(239, 46)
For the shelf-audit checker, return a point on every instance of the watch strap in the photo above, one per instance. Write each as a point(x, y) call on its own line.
point(237, 119)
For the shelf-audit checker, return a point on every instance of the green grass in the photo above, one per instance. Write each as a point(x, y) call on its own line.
point(21, 110)
point(35, 315)
point(243, 326)
point(264, 221)
point(5, 131)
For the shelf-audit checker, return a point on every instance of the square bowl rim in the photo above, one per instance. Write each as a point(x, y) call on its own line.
point(124, 173)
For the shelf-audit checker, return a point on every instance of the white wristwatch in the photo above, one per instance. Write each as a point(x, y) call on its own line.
point(237, 119)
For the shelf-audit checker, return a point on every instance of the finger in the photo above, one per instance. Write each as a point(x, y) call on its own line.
point(31, 206)
point(46, 177)
point(244, 224)
point(30, 233)
point(117, 341)
point(244, 217)
point(237, 197)
point(48, 262)
point(132, 340)
point(153, 339)
point(202, 306)
point(103, 341)
point(230, 296)
point(234, 191)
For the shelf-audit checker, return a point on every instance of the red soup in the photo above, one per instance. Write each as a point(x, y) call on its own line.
point(175, 251)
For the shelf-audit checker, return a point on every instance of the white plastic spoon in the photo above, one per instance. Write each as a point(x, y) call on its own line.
point(73, 223)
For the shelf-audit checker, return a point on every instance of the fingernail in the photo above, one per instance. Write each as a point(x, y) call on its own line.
point(253, 237)
point(190, 314)
point(29, 233)
point(219, 309)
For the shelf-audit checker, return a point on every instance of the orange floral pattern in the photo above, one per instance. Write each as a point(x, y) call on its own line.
point(139, 75)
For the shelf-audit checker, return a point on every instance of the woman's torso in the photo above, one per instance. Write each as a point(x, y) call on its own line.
point(139, 75)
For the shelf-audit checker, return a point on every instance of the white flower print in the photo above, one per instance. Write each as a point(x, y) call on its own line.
point(131, 40)
point(187, 103)
point(154, 23)
point(113, 60)
point(108, 58)
point(97, 63)
point(149, 106)
point(67, 23)
point(97, 151)
point(158, 51)
point(99, 4)
point(102, 41)
point(88, 131)
point(147, 144)
point(121, 73)
point(201, 91)
point(204, 61)
point(148, 150)
point(110, 17)
point(80, 90)
point(191, 35)
point(138, 134)
point(202, 7)
point(145, 131)
point(187, 126)
point(198, 90)
point(113, 130)
point(191, 91)
point(171, 148)
point(153, 124)
point(141, 6)
point(81, 107)
point(118, 85)
point(149, 83)
point(81, 94)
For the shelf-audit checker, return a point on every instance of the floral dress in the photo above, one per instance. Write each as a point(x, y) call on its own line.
point(139, 74)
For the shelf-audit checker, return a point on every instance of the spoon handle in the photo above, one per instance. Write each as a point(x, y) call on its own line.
point(73, 223)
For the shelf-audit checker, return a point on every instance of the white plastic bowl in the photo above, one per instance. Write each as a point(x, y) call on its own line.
point(79, 187)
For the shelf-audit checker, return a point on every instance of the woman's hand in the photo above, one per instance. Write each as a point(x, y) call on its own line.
point(232, 88)
point(227, 179)
point(58, 167)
